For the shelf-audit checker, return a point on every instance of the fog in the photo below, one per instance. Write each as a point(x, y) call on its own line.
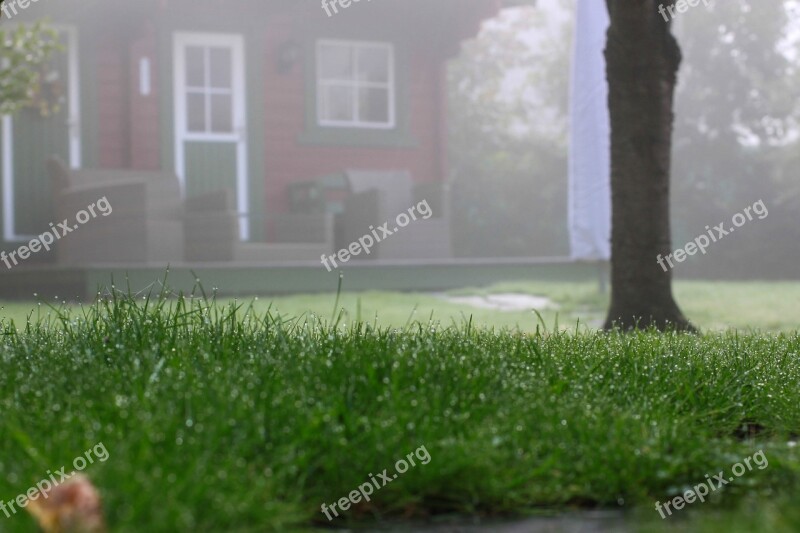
point(294, 137)
point(735, 139)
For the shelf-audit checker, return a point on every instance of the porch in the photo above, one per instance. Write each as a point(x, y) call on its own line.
point(146, 218)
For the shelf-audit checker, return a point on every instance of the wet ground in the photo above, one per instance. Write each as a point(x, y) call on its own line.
point(583, 522)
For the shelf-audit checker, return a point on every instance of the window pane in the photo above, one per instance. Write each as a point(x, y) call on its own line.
point(374, 105)
point(221, 113)
point(221, 75)
point(373, 64)
point(195, 66)
point(196, 112)
point(335, 62)
point(337, 104)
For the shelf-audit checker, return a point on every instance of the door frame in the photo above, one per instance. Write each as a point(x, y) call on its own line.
point(74, 133)
point(235, 42)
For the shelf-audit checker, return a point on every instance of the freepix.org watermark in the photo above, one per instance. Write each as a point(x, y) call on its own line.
point(681, 6)
point(42, 488)
point(331, 7)
point(57, 231)
point(366, 489)
point(711, 484)
point(702, 242)
point(9, 7)
point(365, 243)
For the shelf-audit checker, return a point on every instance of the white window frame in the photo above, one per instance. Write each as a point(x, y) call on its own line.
point(73, 123)
point(356, 85)
point(237, 91)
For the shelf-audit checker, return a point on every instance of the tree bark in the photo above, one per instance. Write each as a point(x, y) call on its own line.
point(642, 58)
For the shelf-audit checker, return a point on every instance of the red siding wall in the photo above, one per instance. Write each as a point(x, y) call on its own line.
point(110, 105)
point(128, 123)
point(144, 110)
point(287, 160)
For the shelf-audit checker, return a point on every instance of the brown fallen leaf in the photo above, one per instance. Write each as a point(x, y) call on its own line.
point(71, 507)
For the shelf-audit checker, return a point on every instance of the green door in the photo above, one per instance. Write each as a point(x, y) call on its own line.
point(210, 138)
point(46, 127)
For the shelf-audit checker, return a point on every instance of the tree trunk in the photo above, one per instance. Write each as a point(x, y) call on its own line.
point(642, 59)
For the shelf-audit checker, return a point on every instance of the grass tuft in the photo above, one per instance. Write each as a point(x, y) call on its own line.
point(219, 417)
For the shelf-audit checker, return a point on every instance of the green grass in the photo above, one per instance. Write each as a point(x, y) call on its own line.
point(714, 306)
point(226, 418)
